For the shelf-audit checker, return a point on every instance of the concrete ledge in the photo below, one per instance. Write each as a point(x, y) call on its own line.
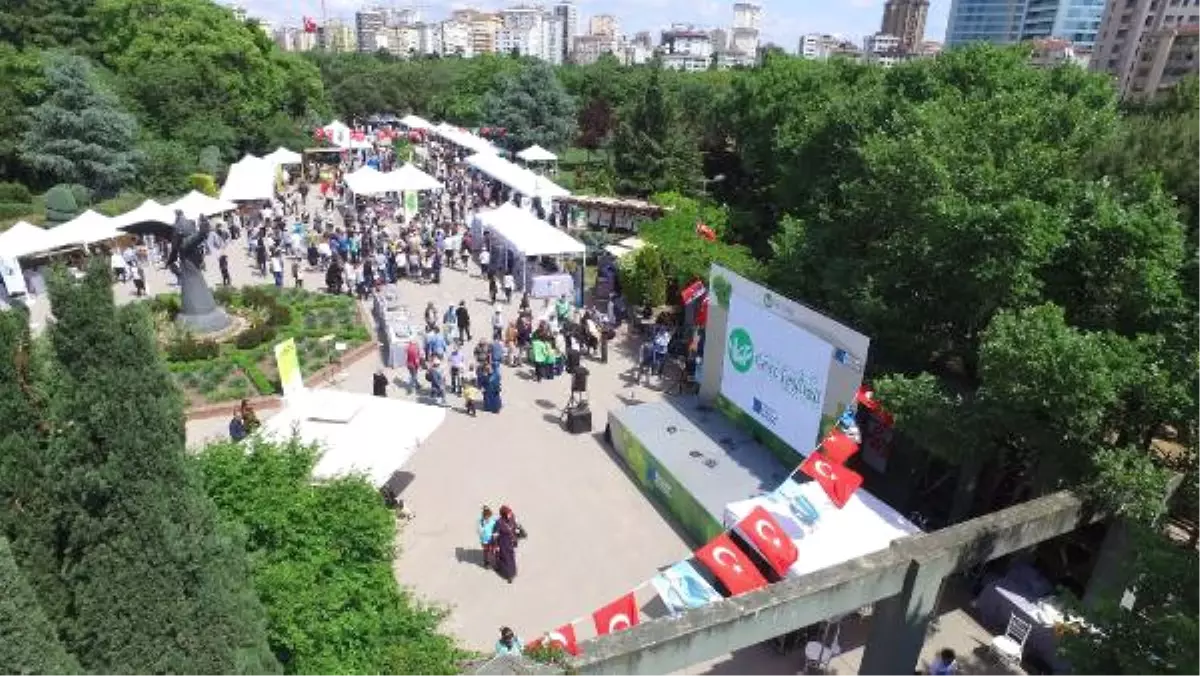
point(226, 408)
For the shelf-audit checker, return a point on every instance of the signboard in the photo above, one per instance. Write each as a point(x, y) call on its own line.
point(288, 364)
point(775, 372)
point(11, 277)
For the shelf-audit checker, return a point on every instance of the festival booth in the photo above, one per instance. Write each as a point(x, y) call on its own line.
point(408, 178)
point(23, 239)
point(147, 212)
point(611, 214)
point(416, 123)
point(85, 229)
point(196, 204)
point(366, 180)
point(465, 140)
point(283, 156)
point(518, 178)
point(518, 237)
point(348, 426)
point(536, 154)
point(338, 133)
point(250, 179)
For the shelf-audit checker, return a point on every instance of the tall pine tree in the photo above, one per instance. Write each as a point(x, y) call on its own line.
point(28, 644)
point(139, 575)
point(652, 152)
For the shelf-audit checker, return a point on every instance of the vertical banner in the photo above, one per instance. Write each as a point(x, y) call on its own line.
point(410, 205)
point(288, 364)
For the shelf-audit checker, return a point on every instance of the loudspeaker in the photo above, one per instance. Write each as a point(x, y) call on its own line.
point(578, 419)
point(580, 378)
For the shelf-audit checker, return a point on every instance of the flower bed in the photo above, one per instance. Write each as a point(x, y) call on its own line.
point(243, 365)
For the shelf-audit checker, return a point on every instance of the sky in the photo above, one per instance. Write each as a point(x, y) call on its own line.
point(784, 21)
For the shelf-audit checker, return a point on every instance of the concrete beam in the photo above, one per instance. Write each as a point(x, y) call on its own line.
point(908, 574)
point(669, 644)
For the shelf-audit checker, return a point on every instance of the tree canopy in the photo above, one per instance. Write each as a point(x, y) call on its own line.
point(533, 107)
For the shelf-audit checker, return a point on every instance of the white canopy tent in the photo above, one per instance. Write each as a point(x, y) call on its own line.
point(518, 236)
point(23, 239)
point(366, 180)
point(196, 204)
point(357, 433)
point(250, 179)
point(416, 122)
point(536, 153)
point(283, 156)
point(148, 212)
point(86, 228)
point(409, 179)
point(517, 177)
point(465, 139)
point(338, 133)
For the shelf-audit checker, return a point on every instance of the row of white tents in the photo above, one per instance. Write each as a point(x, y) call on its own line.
point(367, 180)
point(250, 179)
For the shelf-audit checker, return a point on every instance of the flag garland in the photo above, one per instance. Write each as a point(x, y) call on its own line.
point(681, 587)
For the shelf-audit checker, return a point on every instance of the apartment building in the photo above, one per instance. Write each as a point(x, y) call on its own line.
point(685, 48)
point(883, 49)
point(335, 36)
point(1147, 45)
point(456, 39)
point(530, 31)
point(567, 15)
point(604, 24)
point(369, 29)
point(1013, 21)
point(821, 46)
point(589, 48)
point(906, 20)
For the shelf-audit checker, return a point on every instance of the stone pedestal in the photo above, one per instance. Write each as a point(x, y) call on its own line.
point(204, 323)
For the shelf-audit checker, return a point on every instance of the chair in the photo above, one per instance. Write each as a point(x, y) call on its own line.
point(817, 656)
point(1011, 646)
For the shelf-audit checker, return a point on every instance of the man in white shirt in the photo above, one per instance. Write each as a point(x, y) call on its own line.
point(485, 260)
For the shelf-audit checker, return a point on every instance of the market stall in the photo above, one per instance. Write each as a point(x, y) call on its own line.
point(416, 123)
point(85, 229)
point(250, 179)
point(536, 253)
point(465, 140)
point(366, 180)
point(23, 239)
point(283, 156)
point(147, 212)
point(518, 178)
point(409, 179)
point(196, 204)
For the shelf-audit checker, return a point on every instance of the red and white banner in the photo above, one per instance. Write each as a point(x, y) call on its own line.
point(732, 567)
point(770, 539)
point(838, 446)
point(616, 616)
point(838, 481)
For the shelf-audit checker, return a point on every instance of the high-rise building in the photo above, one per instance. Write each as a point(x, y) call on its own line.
point(530, 31)
point(906, 20)
point(742, 39)
point(820, 46)
point(335, 36)
point(686, 48)
point(567, 15)
point(720, 39)
point(747, 15)
point(1010, 21)
point(369, 24)
point(456, 39)
point(604, 24)
point(484, 28)
point(1147, 45)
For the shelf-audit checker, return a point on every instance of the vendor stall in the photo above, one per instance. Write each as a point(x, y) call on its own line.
point(283, 156)
point(416, 123)
point(196, 204)
point(366, 180)
point(613, 214)
point(147, 212)
point(518, 178)
point(464, 140)
point(23, 239)
point(535, 252)
point(250, 179)
point(87, 228)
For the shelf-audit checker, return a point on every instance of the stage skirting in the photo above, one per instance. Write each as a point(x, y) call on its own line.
point(691, 461)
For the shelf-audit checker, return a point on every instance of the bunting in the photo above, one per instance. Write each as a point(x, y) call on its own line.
point(681, 587)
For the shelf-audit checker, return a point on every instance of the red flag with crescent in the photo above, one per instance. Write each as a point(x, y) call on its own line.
point(838, 446)
point(866, 398)
point(616, 616)
point(706, 232)
point(771, 540)
point(310, 25)
point(731, 565)
point(838, 481)
point(563, 638)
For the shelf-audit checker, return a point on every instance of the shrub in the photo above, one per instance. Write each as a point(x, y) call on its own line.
point(224, 295)
point(254, 336)
point(167, 303)
point(203, 183)
point(187, 347)
point(60, 204)
point(15, 193)
point(15, 209)
point(82, 195)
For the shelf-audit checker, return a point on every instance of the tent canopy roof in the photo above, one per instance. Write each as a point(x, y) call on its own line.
point(251, 178)
point(516, 177)
point(527, 233)
point(146, 212)
point(23, 239)
point(408, 178)
point(416, 122)
point(282, 155)
point(86, 228)
point(366, 180)
point(536, 153)
point(464, 139)
point(196, 204)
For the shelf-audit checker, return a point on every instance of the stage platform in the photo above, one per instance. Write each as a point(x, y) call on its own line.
point(693, 460)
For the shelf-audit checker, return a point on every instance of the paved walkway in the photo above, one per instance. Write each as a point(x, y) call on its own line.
point(593, 534)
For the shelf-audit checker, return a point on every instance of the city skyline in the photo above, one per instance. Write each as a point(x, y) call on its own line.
point(784, 20)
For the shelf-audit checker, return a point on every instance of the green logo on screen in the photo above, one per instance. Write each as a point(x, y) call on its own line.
point(741, 350)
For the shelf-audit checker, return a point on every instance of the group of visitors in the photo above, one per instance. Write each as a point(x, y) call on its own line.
point(499, 535)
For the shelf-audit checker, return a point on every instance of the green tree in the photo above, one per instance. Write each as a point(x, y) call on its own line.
point(533, 107)
point(21, 83)
point(46, 23)
point(60, 204)
point(323, 556)
point(30, 645)
point(116, 535)
point(79, 133)
point(651, 152)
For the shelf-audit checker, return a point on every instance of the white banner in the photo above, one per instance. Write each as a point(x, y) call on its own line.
point(775, 372)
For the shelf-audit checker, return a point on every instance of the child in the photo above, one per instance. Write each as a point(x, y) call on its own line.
point(471, 393)
point(296, 278)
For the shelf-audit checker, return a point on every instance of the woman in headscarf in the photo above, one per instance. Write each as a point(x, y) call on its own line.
point(504, 538)
point(490, 385)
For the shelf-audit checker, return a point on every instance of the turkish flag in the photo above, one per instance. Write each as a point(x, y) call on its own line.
point(706, 232)
point(702, 313)
point(838, 481)
point(563, 638)
point(310, 25)
point(838, 446)
point(731, 565)
point(770, 539)
point(616, 616)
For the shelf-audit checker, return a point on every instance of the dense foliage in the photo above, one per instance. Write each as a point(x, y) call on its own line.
point(107, 517)
point(322, 563)
point(532, 107)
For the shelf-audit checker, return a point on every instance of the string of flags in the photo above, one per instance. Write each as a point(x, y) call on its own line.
point(682, 586)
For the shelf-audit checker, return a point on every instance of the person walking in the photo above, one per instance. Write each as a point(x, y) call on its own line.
point(223, 265)
point(487, 529)
point(492, 289)
point(464, 321)
point(505, 540)
point(510, 285)
point(412, 361)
